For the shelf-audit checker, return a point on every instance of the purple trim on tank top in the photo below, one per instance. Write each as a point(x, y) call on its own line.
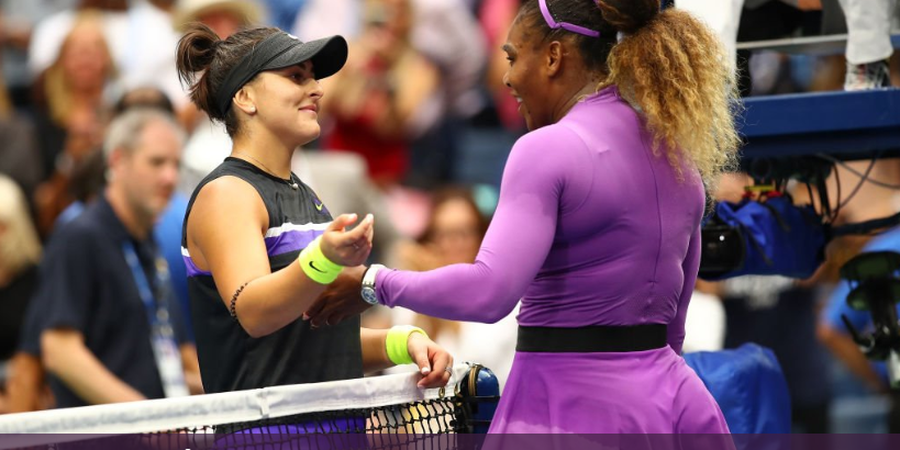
point(290, 241)
point(286, 242)
point(192, 269)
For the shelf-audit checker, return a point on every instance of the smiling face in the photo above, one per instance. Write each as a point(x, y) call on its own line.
point(287, 102)
point(525, 75)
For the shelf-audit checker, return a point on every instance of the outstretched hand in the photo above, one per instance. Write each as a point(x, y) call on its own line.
point(341, 299)
point(435, 363)
point(348, 248)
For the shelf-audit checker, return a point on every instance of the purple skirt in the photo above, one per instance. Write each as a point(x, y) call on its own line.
point(646, 392)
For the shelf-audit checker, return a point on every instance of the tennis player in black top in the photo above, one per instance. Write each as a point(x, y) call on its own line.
point(258, 243)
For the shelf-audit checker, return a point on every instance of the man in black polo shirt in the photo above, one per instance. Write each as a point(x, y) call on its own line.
point(113, 331)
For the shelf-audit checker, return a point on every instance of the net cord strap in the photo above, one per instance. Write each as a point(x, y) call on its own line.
point(208, 410)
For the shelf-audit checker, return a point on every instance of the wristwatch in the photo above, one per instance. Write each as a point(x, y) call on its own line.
point(368, 284)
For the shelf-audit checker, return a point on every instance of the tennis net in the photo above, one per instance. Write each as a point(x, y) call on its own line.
point(372, 413)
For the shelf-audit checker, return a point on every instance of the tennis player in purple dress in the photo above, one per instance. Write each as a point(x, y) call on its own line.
point(597, 229)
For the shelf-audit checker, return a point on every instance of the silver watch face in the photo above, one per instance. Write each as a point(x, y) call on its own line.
point(368, 294)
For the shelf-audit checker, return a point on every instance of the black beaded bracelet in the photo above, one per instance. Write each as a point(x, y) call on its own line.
point(234, 300)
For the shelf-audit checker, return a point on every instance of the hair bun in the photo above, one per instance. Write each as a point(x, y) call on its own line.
point(197, 49)
point(628, 16)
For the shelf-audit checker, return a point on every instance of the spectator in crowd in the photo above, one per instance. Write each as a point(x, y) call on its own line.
point(72, 94)
point(20, 252)
point(168, 227)
point(383, 93)
point(224, 17)
point(17, 21)
point(72, 108)
point(87, 182)
point(87, 178)
point(446, 33)
point(452, 234)
point(113, 331)
point(140, 37)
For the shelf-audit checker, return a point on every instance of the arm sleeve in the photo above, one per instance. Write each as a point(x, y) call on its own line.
point(514, 248)
point(68, 274)
point(690, 266)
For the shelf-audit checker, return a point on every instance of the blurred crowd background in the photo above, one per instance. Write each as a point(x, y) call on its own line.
point(416, 129)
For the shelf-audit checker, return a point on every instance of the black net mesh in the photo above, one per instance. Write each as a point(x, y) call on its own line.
point(432, 423)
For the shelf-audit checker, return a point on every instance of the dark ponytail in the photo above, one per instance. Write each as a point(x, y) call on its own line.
point(628, 16)
point(200, 51)
point(195, 54)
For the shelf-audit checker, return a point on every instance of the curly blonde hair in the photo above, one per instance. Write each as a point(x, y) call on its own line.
point(676, 72)
point(668, 65)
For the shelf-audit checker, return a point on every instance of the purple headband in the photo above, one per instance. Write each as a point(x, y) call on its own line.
point(565, 25)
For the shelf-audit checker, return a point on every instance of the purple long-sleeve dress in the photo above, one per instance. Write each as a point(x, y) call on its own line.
point(591, 228)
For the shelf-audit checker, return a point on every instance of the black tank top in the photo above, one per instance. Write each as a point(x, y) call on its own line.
point(229, 358)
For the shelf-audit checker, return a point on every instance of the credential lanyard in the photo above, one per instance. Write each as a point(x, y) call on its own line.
point(162, 335)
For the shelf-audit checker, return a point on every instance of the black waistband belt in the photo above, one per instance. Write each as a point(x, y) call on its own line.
point(591, 339)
